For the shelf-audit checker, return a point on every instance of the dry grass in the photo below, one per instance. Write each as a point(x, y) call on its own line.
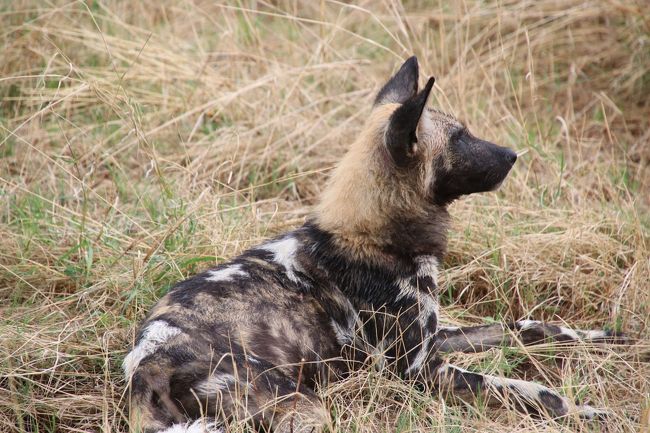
point(142, 141)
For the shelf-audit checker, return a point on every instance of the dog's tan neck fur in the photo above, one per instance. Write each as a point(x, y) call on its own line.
point(376, 211)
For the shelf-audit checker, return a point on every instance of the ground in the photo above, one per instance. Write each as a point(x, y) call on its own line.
point(141, 142)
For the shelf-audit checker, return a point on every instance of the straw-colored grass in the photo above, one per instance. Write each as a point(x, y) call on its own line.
point(143, 141)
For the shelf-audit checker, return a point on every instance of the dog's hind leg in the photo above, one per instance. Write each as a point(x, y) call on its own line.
point(527, 332)
point(200, 395)
point(247, 388)
point(528, 397)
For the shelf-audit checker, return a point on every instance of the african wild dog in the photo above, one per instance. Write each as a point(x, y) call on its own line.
point(250, 338)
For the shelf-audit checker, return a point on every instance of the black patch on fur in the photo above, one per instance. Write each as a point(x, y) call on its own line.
point(410, 237)
point(425, 283)
point(533, 334)
point(400, 136)
point(432, 322)
point(476, 166)
point(359, 280)
point(553, 403)
point(185, 292)
point(402, 86)
point(468, 381)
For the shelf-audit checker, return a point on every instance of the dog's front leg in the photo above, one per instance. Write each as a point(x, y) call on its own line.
point(414, 342)
point(528, 397)
point(527, 332)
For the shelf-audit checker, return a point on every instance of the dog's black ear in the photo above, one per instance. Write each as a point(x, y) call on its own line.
point(401, 135)
point(402, 86)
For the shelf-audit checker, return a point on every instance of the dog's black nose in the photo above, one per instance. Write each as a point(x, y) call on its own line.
point(511, 156)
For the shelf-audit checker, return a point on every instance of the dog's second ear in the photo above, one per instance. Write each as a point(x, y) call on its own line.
point(402, 86)
point(401, 135)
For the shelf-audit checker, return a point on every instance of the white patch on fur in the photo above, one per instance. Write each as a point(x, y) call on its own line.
point(528, 390)
point(346, 333)
point(527, 324)
point(155, 334)
point(215, 384)
point(592, 334)
point(284, 253)
point(421, 357)
point(570, 332)
point(393, 96)
point(253, 360)
point(449, 328)
point(198, 426)
point(426, 303)
point(406, 289)
point(425, 127)
point(587, 412)
point(444, 369)
point(428, 267)
point(428, 306)
point(227, 273)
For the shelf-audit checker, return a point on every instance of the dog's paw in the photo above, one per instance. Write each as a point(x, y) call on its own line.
point(586, 412)
point(607, 337)
point(617, 337)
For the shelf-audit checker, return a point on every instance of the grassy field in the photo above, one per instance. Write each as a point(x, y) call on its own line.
point(143, 141)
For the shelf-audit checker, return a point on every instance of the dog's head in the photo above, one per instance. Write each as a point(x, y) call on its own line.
point(409, 162)
point(416, 137)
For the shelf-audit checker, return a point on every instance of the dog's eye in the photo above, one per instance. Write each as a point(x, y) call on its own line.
point(457, 135)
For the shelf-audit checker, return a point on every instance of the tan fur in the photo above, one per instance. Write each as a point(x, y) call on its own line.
point(164, 308)
point(367, 177)
point(140, 416)
point(299, 415)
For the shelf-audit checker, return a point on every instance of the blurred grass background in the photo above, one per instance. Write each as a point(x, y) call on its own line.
point(143, 141)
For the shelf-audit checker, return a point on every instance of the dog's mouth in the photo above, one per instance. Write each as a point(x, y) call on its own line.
point(502, 178)
point(482, 168)
point(498, 185)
